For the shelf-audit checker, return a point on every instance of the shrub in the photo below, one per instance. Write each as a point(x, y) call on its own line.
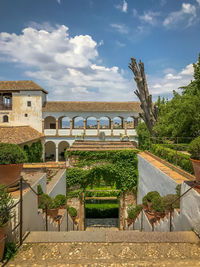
point(102, 193)
point(168, 199)
point(133, 211)
point(149, 197)
point(143, 136)
point(6, 202)
point(34, 152)
point(101, 210)
point(45, 200)
point(178, 190)
point(11, 154)
point(60, 200)
point(75, 193)
point(182, 160)
point(75, 176)
point(39, 189)
point(72, 212)
point(10, 251)
point(157, 204)
point(194, 148)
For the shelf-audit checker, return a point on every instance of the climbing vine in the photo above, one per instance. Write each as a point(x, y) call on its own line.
point(117, 168)
point(34, 152)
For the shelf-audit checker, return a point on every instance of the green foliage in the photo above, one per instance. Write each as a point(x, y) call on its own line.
point(34, 152)
point(120, 170)
point(178, 147)
point(133, 211)
point(102, 193)
point(11, 154)
point(75, 176)
point(9, 251)
point(6, 202)
point(60, 200)
point(45, 200)
point(72, 211)
point(194, 148)
point(157, 204)
point(173, 157)
point(168, 199)
point(103, 210)
point(75, 193)
point(39, 189)
point(143, 136)
point(178, 190)
point(149, 197)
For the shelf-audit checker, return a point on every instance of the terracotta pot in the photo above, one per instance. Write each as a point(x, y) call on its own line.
point(10, 173)
point(196, 167)
point(2, 241)
point(52, 212)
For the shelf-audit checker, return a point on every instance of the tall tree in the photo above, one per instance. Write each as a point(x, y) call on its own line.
point(149, 114)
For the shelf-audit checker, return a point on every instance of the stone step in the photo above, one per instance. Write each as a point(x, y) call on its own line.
point(106, 236)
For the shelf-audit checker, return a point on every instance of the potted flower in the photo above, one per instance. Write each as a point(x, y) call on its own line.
point(12, 158)
point(6, 202)
point(194, 150)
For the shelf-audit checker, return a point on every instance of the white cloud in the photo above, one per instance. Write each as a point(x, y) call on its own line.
point(69, 67)
point(187, 14)
point(121, 28)
point(149, 17)
point(120, 44)
point(58, 1)
point(171, 81)
point(123, 7)
point(198, 1)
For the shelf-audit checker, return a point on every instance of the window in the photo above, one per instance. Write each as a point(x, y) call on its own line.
point(28, 103)
point(5, 118)
point(26, 115)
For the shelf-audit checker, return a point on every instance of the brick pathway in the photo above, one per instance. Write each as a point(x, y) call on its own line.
point(107, 254)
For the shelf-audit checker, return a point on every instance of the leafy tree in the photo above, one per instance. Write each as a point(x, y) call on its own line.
point(180, 116)
point(143, 136)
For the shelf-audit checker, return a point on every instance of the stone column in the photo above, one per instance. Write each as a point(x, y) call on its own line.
point(43, 150)
point(84, 126)
point(98, 127)
point(57, 153)
point(125, 127)
point(71, 126)
point(56, 127)
point(111, 127)
point(42, 126)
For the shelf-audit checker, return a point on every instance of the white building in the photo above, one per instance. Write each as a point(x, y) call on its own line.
point(58, 124)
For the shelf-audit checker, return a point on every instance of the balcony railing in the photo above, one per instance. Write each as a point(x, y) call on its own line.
point(5, 106)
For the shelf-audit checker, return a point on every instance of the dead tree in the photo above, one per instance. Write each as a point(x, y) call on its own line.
point(149, 114)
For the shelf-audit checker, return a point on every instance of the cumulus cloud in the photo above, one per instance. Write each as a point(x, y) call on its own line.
point(187, 14)
point(198, 1)
point(172, 80)
point(68, 66)
point(121, 28)
point(123, 7)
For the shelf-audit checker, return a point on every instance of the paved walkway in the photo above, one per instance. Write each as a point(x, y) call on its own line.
point(99, 223)
point(107, 254)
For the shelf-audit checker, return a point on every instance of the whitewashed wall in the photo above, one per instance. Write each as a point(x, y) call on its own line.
point(59, 187)
point(153, 179)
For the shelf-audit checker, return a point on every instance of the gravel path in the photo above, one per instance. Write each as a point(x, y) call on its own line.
point(108, 254)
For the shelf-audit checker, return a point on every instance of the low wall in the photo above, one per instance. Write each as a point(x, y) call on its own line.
point(59, 187)
point(153, 179)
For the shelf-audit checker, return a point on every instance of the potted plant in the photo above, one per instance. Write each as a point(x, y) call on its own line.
point(60, 201)
point(6, 202)
point(194, 150)
point(72, 212)
point(12, 158)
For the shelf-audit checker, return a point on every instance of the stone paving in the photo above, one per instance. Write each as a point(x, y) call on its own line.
point(107, 222)
point(107, 254)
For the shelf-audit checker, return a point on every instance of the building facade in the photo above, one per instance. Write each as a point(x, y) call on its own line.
point(24, 103)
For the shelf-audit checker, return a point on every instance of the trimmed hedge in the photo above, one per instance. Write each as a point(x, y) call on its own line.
point(170, 155)
point(194, 148)
point(179, 147)
point(102, 193)
point(101, 210)
point(75, 193)
point(11, 154)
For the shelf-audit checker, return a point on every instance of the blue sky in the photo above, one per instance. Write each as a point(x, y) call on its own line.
point(80, 49)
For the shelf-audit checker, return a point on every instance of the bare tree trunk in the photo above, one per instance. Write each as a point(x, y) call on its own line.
point(149, 114)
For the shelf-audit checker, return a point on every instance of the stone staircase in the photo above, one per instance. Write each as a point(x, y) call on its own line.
point(101, 145)
point(109, 236)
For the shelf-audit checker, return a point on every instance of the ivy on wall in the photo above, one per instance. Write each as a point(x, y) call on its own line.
point(117, 167)
point(34, 152)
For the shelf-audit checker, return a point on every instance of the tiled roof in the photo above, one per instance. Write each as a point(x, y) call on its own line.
point(18, 134)
point(20, 86)
point(60, 106)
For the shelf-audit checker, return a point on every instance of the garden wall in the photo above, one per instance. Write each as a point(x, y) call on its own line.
point(59, 187)
point(153, 179)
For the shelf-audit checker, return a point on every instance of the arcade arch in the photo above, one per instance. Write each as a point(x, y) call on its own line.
point(91, 123)
point(62, 146)
point(50, 122)
point(50, 151)
point(104, 123)
point(118, 123)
